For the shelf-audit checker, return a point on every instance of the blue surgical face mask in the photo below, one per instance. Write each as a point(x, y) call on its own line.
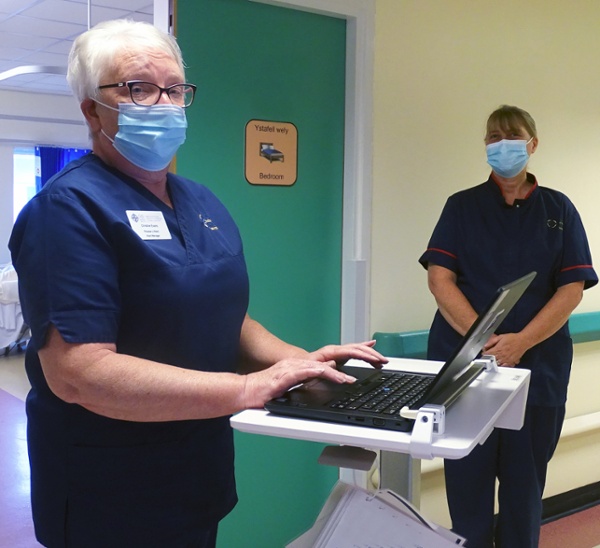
point(508, 157)
point(149, 136)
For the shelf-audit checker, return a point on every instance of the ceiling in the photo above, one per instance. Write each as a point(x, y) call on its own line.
point(40, 33)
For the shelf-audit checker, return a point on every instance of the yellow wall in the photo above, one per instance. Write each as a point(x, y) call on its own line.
point(440, 68)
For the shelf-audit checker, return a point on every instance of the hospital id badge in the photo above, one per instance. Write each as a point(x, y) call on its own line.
point(149, 225)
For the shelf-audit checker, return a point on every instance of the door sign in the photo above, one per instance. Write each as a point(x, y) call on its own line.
point(271, 156)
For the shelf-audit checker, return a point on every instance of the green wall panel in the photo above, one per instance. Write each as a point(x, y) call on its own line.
point(255, 61)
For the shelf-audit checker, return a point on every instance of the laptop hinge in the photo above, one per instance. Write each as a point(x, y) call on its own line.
point(488, 361)
point(430, 420)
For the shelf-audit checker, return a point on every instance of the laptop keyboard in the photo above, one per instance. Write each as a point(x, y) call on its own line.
point(390, 393)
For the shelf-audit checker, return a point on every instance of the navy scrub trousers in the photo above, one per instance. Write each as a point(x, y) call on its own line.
point(470, 482)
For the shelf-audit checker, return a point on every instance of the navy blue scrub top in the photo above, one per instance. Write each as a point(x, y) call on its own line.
point(488, 243)
point(179, 301)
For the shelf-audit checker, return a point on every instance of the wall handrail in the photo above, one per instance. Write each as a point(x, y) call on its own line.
point(584, 327)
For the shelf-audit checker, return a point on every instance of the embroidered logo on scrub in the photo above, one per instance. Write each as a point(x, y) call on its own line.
point(149, 225)
point(207, 222)
point(552, 223)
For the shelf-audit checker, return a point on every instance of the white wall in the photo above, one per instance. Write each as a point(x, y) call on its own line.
point(440, 69)
point(29, 119)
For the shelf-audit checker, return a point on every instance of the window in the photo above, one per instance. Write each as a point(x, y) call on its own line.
point(34, 166)
point(24, 168)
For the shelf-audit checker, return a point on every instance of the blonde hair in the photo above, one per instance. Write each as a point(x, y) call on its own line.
point(94, 51)
point(509, 117)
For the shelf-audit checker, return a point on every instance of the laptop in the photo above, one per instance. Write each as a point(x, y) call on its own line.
point(390, 399)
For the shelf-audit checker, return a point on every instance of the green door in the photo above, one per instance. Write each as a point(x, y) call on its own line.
point(253, 61)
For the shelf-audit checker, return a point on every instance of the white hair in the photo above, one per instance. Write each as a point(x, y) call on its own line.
point(94, 52)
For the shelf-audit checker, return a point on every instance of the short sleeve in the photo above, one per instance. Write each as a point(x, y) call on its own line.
point(577, 259)
point(442, 248)
point(67, 271)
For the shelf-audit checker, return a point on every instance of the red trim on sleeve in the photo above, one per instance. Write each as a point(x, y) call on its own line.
point(442, 251)
point(577, 266)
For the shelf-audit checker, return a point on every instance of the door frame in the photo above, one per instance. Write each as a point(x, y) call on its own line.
point(355, 313)
point(358, 156)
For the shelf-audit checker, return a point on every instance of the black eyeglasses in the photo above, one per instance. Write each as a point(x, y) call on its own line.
point(148, 94)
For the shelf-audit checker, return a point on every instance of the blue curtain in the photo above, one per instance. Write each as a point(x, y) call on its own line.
point(50, 160)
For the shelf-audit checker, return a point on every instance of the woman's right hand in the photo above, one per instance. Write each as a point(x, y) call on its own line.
point(273, 382)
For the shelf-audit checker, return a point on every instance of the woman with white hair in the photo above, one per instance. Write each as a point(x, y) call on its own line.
point(134, 284)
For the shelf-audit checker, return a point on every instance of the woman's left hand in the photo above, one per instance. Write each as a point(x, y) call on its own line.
point(342, 353)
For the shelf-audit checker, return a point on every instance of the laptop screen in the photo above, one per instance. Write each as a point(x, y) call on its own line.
point(479, 333)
